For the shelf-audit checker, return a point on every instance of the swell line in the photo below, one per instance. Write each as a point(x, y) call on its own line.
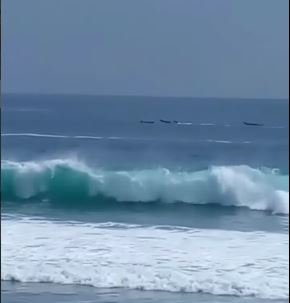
point(89, 137)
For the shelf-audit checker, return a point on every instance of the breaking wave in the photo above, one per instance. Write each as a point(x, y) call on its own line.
point(68, 180)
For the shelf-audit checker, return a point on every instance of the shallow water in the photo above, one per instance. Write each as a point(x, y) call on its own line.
point(34, 292)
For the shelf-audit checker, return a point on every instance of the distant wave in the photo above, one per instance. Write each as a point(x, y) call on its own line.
point(71, 181)
point(89, 137)
point(69, 136)
point(52, 136)
point(33, 135)
point(227, 141)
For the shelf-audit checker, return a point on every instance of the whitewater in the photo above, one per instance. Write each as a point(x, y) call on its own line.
point(98, 207)
point(146, 258)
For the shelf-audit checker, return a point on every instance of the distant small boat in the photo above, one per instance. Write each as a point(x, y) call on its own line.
point(165, 121)
point(252, 124)
point(147, 122)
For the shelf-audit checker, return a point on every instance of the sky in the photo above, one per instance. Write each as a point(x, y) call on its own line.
point(192, 48)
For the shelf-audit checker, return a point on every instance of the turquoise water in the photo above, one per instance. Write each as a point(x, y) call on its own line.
point(159, 212)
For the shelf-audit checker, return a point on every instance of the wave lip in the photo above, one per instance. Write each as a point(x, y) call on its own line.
point(70, 180)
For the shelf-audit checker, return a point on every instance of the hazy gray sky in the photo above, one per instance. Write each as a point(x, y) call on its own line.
point(200, 48)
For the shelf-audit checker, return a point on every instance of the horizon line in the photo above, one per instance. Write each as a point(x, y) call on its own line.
point(141, 96)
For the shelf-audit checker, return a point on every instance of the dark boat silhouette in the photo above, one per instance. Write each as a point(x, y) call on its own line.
point(147, 122)
point(165, 121)
point(252, 124)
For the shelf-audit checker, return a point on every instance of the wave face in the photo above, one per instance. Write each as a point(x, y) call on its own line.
point(109, 255)
point(72, 181)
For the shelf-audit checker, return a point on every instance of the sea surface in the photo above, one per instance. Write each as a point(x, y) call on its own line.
point(99, 207)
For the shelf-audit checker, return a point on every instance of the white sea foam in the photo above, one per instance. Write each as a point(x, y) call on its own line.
point(184, 123)
point(182, 260)
point(220, 141)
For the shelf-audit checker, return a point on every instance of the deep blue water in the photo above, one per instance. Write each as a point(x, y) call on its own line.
point(91, 196)
point(147, 146)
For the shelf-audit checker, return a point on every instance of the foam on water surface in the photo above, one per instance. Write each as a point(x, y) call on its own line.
point(150, 258)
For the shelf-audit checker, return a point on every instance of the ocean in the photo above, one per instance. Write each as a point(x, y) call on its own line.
point(100, 206)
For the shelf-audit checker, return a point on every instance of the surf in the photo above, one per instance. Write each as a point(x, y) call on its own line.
point(71, 181)
point(107, 255)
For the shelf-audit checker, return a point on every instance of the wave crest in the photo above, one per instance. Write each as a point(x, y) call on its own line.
point(69, 180)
